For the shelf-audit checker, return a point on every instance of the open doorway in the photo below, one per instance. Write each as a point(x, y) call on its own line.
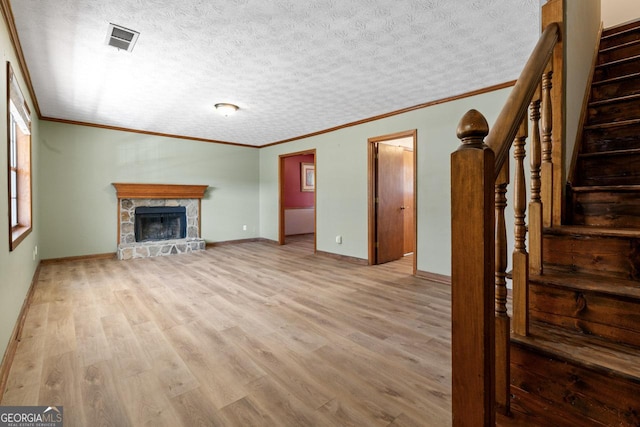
point(297, 197)
point(392, 197)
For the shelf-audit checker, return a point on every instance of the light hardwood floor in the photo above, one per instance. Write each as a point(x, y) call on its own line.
point(251, 334)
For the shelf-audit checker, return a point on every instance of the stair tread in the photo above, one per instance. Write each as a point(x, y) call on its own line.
point(592, 231)
point(613, 124)
point(616, 79)
point(590, 351)
point(612, 286)
point(603, 188)
point(620, 29)
point(611, 153)
point(615, 99)
point(618, 61)
point(618, 46)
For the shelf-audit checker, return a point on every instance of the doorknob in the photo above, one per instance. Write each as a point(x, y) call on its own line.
point(402, 208)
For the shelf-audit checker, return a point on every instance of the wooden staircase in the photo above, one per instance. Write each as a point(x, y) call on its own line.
point(580, 364)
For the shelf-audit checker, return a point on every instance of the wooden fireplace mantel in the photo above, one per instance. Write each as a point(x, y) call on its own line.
point(159, 191)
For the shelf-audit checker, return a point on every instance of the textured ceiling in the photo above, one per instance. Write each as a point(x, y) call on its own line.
point(293, 67)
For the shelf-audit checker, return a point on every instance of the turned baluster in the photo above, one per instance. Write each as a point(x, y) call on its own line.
point(547, 147)
point(520, 256)
point(535, 203)
point(502, 319)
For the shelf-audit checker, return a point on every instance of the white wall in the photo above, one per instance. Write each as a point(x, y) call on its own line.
point(615, 12)
point(78, 202)
point(17, 267)
point(582, 24)
point(299, 221)
point(341, 179)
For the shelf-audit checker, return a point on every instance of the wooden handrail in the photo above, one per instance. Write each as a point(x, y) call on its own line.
point(479, 178)
point(506, 126)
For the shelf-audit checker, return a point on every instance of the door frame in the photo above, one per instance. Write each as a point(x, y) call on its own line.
point(371, 155)
point(281, 206)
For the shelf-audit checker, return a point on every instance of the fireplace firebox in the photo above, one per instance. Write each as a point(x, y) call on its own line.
point(160, 223)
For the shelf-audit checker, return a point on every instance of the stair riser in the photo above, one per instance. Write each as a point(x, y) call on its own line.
point(620, 52)
point(607, 209)
point(615, 257)
point(539, 412)
point(609, 170)
point(591, 313)
point(608, 399)
point(626, 87)
point(616, 70)
point(611, 139)
point(621, 38)
point(614, 112)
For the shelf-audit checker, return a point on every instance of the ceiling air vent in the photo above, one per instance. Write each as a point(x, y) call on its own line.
point(121, 38)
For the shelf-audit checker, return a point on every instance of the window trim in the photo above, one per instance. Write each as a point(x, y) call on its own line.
point(17, 233)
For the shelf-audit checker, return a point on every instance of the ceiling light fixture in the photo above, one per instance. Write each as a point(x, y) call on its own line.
point(226, 109)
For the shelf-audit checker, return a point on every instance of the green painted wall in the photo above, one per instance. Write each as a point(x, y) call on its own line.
point(582, 20)
point(79, 163)
point(17, 267)
point(341, 179)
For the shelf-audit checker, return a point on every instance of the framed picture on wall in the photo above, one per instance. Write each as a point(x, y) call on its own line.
point(307, 177)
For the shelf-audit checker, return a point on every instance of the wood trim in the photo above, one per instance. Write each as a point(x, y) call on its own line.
point(144, 132)
point(17, 235)
point(583, 115)
point(159, 191)
point(23, 144)
point(16, 335)
point(395, 113)
point(7, 14)
point(371, 207)
point(295, 138)
point(372, 189)
point(352, 260)
point(282, 207)
point(434, 277)
point(281, 233)
point(108, 255)
point(415, 202)
point(392, 136)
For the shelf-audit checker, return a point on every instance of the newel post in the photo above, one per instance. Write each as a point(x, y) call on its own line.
point(472, 275)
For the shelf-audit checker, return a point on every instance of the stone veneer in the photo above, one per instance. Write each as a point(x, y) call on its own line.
point(129, 248)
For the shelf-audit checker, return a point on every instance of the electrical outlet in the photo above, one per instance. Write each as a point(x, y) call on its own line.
point(339, 240)
point(244, 228)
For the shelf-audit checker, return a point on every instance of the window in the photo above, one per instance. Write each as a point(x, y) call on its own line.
point(19, 142)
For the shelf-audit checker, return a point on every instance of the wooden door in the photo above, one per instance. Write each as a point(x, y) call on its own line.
point(409, 236)
point(389, 203)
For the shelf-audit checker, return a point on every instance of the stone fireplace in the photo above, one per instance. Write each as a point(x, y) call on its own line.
point(158, 219)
